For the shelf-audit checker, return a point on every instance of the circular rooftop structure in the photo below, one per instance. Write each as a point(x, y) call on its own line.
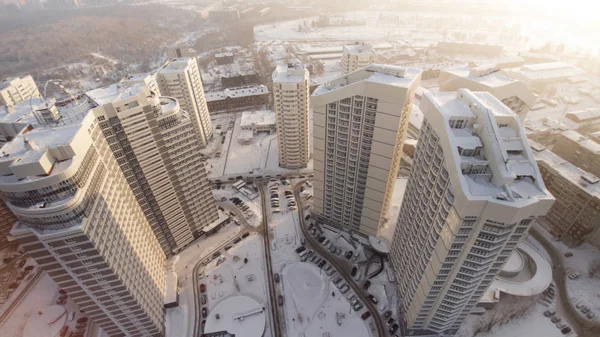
point(379, 244)
point(241, 316)
point(47, 321)
point(526, 273)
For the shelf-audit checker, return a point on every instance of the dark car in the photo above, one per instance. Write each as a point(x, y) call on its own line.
point(322, 263)
point(393, 328)
point(204, 312)
point(353, 272)
point(203, 299)
point(565, 331)
point(276, 277)
point(307, 217)
point(387, 314)
point(245, 235)
point(280, 299)
point(228, 247)
point(349, 255)
point(321, 239)
point(300, 249)
point(367, 284)
point(216, 254)
point(221, 209)
point(390, 321)
point(237, 240)
point(365, 315)
point(203, 288)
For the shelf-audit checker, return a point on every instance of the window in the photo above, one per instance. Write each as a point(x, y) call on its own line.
point(69, 240)
point(81, 255)
point(75, 248)
point(87, 261)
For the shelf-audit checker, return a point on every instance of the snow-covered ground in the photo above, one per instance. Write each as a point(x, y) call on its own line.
point(310, 309)
point(583, 289)
point(258, 158)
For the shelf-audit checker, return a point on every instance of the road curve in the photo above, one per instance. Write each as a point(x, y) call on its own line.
point(333, 260)
point(582, 326)
point(269, 268)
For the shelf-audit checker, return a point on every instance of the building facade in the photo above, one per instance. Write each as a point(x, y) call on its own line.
point(579, 151)
point(473, 192)
point(82, 224)
point(356, 56)
point(155, 144)
point(360, 122)
point(7, 221)
point(575, 216)
point(180, 79)
point(237, 98)
point(16, 90)
point(291, 85)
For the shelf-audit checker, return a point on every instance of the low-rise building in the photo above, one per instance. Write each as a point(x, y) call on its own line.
point(446, 47)
point(575, 216)
point(258, 121)
point(224, 58)
point(235, 98)
point(538, 76)
point(579, 151)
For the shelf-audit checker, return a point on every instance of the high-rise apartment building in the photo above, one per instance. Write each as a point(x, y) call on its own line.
point(180, 79)
point(356, 56)
point(80, 221)
point(17, 89)
point(155, 144)
point(473, 192)
point(360, 122)
point(291, 93)
point(575, 216)
point(513, 93)
point(579, 151)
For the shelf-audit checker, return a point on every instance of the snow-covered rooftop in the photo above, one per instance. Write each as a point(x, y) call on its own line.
point(250, 90)
point(583, 141)
point(589, 183)
point(384, 74)
point(544, 71)
point(485, 78)
point(488, 148)
point(359, 48)
point(293, 72)
point(586, 115)
point(176, 65)
point(112, 92)
point(260, 117)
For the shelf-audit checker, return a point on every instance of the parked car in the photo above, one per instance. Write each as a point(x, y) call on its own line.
point(216, 254)
point(237, 240)
point(375, 301)
point(245, 235)
point(367, 284)
point(549, 313)
point(228, 247)
point(300, 249)
point(349, 255)
point(555, 319)
point(280, 299)
point(365, 315)
point(393, 328)
point(204, 312)
point(276, 277)
point(390, 321)
point(574, 275)
point(353, 272)
point(357, 306)
point(203, 299)
point(337, 280)
point(387, 314)
point(561, 325)
point(322, 263)
point(202, 288)
point(565, 331)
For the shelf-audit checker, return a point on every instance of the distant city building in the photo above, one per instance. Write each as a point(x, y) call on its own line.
point(147, 79)
point(538, 76)
point(181, 51)
point(511, 92)
point(579, 151)
point(575, 216)
point(224, 58)
point(584, 118)
point(236, 98)
point(499, 62)
point(239, 79)
point(356, 56)
point(155, 144)
point(17, 89)
point(258, 121)
point(473, 192)
point(80, 221)
point(291, 94)
point(467, 48)
point(181, 79)
point(360, 122)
